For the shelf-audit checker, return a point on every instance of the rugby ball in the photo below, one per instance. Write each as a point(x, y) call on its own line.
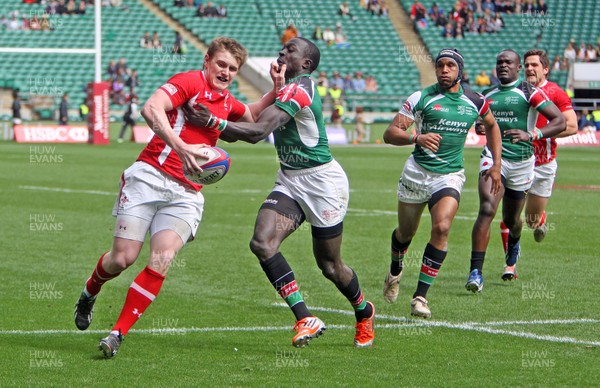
point(213, 169)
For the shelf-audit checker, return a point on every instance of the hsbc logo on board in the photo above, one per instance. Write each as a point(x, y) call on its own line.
point(439, 108)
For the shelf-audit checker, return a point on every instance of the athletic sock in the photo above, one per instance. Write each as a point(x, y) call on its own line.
point(398, 251)
point(504, 234)
point(141, 293)
point(512, 241)
point(282, 277)
point(432, 262)
point(98, 278)
point(356, 298)
point(477, 259)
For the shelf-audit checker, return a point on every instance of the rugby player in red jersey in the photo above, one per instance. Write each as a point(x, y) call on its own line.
point(155, 196)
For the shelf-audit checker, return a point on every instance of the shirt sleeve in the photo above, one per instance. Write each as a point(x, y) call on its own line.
point(181, 88)
point(237, 109)
point(562, 100)
point(293, 97)
point(409, 107)
point(539, 100)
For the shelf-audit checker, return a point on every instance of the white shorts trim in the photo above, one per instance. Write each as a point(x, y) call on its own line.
point(151, 200)
point(518, 175)
point(322, 192)
point(543, 180)
point(417, 184)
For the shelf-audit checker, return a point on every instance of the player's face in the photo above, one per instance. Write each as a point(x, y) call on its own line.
point(534, 70)
point(507, 67)
point(220, 69)
point(446, 71)
point(292, 55)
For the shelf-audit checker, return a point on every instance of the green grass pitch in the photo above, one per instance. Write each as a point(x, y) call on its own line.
point(217, 320)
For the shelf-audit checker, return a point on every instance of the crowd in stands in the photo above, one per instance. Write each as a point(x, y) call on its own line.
point(150, 42)
point(121, 78)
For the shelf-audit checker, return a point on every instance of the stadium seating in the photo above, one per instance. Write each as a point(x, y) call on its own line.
point(54, 74)
point(565, 20)
point(258, 24)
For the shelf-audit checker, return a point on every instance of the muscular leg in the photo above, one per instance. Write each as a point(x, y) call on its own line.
point(512, 206)
point(480, 236)
point(327, 245)
point(409, 217)
point(534, 209)
point(442, 214)
point(270, 229)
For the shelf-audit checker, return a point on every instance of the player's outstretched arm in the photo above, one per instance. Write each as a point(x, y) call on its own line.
point(556, 122)
point(494, 143)
point(268, 121)
point(397, 134)
point(255, 109)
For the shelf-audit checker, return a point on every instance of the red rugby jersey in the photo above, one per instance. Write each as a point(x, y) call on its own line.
point(183, 88)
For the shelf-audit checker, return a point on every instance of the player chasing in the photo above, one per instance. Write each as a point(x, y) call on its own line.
point(434, 174)
point(537, 68)
point(155, 196)
point(515, 104)
point(311, 186)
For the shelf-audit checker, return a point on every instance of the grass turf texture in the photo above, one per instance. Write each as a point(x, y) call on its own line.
point(216, 282)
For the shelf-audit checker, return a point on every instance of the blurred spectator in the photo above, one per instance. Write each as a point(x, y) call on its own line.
point(335, 92)
point(348, 83)
point(591, 54)
point(417, 11)
point(483, 79)
point(177, 44)
point(329, 36)
point(61, 9)
point(459, 32)
point(178, 3)
point(84, 110)
point(586, 122)
point(118, 88)
point(132, 82)
point(146, 41)
point(529, 7)
point(156, 43)
point(3, 21)
point(111, 69)
point(359, 129)
point(13, 24)
point(448, 31)
point(488, 4)
point(358, 82)
point(323, 79)
point(289, 33)
point(437, 16)
point(340, 35)
point(497, 23)
point(122, 65)
point(344, 10)
point(34, 24)
point(336, 80)
point(384, 10)
point(82, 7)
point(542, 8)
point(374, 7)
point(556, 63)
point(570, 54)
point(71, 7)
point(16, 108)
point(465, 79)
point(322, 90)
point(317, 33)
point(63, 110)
point(211, 11)
point(201, 10)
point(222, 11)
point(129, 118)
point(337, 113)
point(370, 84)
point(190, 4)
point(580, 56)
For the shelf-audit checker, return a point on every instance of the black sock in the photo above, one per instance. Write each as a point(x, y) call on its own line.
point(398, 251)
point(477, 261)
point(356, 298)
point(281, 276)
point(432, 262)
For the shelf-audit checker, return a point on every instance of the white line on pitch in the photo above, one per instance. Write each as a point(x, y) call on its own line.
point(70, 191)
point(479, 327)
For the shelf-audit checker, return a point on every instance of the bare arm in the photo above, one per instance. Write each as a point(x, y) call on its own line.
point(571, 119)
point(494, 143)
point(254, 110)
point(555, 126)
point(155, 113)
point(268, 121)
point(396, 134)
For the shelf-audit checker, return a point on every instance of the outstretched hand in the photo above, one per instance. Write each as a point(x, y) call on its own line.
point(196, 114)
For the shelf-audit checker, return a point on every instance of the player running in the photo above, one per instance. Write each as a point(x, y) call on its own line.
point(434, 174)
point(537, 67)
point(155, 196)
point(515, 104)
point(311, 186)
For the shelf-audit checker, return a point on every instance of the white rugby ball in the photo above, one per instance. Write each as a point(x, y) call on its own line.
point(213, 169)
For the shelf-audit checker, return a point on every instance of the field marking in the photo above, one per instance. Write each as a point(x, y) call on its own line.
point(70, 191)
